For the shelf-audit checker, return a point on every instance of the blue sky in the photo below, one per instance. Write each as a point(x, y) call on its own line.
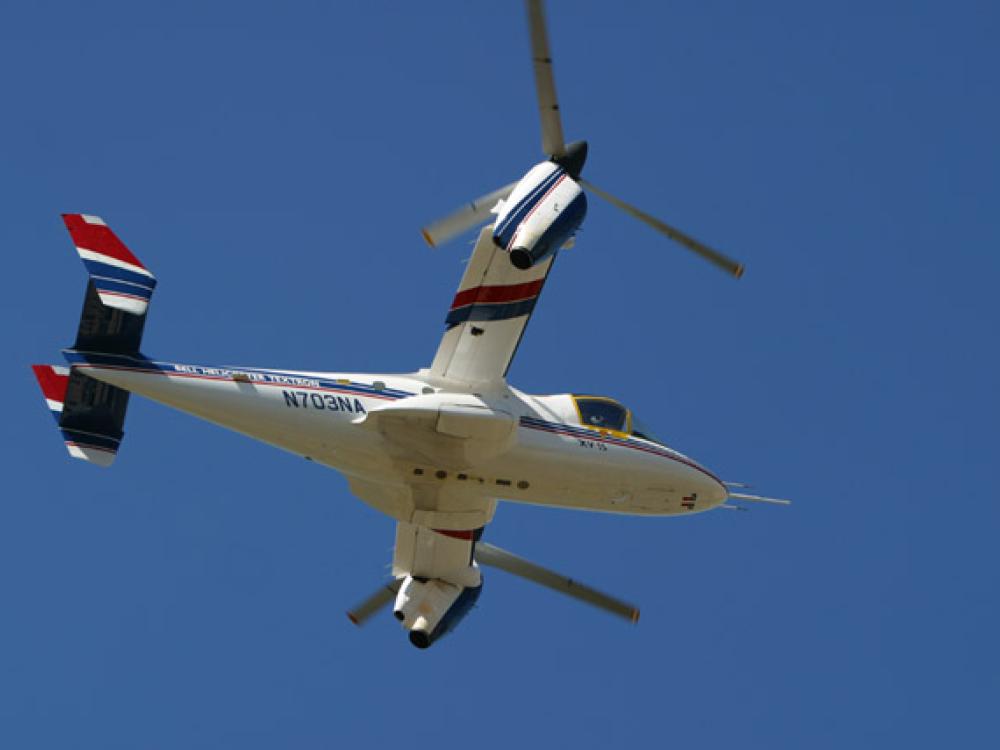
point(272, 164)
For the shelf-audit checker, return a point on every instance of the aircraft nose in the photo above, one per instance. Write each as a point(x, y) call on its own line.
point(705, 490)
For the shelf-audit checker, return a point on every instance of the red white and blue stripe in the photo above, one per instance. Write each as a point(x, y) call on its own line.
point(53, 380)
point(506, 228)
point(91, 447)
point(631, 442)
point(500, 302)
point(121, 280)
point(259, 377)
point(87, 446)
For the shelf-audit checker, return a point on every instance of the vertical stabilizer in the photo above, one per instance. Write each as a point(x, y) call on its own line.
point(91, 426)
point(91, 414)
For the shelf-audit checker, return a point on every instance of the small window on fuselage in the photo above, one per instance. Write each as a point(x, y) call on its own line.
point(603, 413)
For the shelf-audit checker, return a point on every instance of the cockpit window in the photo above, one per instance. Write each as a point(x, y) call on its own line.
point(603, 413)
point(641, 431)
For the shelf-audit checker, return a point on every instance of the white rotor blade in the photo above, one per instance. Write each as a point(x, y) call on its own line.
point(385, 594)
point(545, 83)
point(487, 554)
point(472, 213)
point(713, 256)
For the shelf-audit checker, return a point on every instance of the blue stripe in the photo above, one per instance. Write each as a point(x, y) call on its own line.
point(497, 311)
point(98, 280)
point(628, 442)
point(503, 234)
point(171, 368)
point(107, 271)
point(533, 422)
point(91, 440)
point(576, 431)
point(528, 196)
point(110, 285)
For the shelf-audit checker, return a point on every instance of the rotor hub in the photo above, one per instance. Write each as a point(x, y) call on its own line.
point(573, 158)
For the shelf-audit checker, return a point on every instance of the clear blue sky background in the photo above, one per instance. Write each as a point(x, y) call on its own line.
point(273, 164)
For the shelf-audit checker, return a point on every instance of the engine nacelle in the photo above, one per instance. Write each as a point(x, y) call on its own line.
point(429, 608)
point(542, 213)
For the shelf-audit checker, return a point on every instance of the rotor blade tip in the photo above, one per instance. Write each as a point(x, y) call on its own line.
point(738, 271)
point(429, 241)
point(635, 617)
point(352, 618)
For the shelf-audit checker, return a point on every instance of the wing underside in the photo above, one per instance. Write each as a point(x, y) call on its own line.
point(488, 315)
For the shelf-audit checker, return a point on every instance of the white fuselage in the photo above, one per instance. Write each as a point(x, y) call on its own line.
point(548, 457)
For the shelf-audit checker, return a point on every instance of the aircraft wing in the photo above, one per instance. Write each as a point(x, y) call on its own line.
point(488, 315)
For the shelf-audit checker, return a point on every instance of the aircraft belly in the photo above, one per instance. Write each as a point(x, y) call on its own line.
point(549, 470)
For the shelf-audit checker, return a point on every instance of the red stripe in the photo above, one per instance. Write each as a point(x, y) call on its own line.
point(625, 444)
point(456, 534)
point(488, 294)
point(99, 239)
point(52, 383)
point(534, 208)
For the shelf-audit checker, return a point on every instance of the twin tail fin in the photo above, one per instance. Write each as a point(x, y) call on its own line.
point(91, 414)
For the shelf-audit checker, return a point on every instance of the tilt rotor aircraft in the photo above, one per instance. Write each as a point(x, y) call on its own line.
point(435, 449)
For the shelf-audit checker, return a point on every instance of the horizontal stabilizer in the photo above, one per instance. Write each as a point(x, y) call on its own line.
point(120, 279)
point(90, 414)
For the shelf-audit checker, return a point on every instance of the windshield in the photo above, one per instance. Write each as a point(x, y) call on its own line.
point(640, 430)
point(604, 413)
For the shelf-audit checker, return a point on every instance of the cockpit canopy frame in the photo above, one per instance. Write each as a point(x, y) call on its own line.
point(607, 415)
point(603, 413)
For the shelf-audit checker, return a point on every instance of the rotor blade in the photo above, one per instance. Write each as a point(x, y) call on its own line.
point(714, 256)
point(385, 594)
point(545, 83)
point(472, 213)
point(494, 557)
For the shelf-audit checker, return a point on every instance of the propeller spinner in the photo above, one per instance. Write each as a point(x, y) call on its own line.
point(540, 212)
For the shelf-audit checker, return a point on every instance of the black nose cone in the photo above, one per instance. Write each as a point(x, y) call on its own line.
point(573, 159)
